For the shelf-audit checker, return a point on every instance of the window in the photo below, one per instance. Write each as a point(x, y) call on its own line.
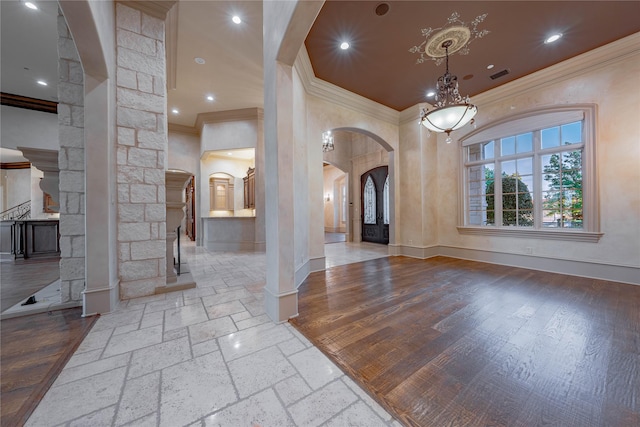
point(385, 199)
point(534, 173)
point(369, 201)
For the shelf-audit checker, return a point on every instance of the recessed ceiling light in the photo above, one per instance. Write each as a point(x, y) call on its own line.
point(430, 94)
point(490, 66)
point(42, 83)
point(199, 60)
point(209, 97)
point(236, 19)
point(344, 45)
point(553, 38)
point(175, 111)
point(31, 5)
point(229, 154)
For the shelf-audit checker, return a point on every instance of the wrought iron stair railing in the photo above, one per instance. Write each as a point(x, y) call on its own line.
point(21, 211)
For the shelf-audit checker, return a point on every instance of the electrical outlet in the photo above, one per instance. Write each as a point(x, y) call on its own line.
point(410, 242)
point(528, 250)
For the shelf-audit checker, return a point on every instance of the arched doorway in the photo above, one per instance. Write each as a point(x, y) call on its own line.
point(374, 190)
point(357, 151)
point(336, 206)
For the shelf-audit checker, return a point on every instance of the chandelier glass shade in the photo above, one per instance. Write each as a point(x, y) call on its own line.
point(451, 111)
point(327, 141)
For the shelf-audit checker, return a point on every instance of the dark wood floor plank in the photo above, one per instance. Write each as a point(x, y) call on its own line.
point(34, 350)
point(446, 342)
point(23, 278)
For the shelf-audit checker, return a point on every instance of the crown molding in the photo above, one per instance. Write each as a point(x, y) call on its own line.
point(336, 95)
point(20, 101)
point(189, 130)
point(242, 114)
point(589, 61)
point(412, 114)
point(157, 9)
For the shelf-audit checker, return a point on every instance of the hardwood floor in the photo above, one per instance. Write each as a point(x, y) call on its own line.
point(448, 342)
point(34, 350)
point(21, 279)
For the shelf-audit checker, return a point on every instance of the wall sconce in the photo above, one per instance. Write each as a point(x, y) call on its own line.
point(328, 199)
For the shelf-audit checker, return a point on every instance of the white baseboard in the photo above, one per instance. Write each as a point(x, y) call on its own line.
point(590, 269)
point(302, 273)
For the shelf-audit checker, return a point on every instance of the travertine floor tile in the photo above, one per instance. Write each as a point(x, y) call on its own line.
point(204, 356)
point(322, 404)
point(259, 370)
point(195, 388)
point(316, 369)
point(262, 409)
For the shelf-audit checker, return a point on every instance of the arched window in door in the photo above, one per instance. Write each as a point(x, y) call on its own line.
point(385, 200)
point(369, 202)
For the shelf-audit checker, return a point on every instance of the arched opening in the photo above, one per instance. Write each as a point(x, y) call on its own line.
point(336, 196)
point(356, 153)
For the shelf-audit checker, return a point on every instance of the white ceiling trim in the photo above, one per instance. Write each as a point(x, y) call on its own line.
point(336, 95)
point(157, 9)
point(189, 130)
point(243, 114)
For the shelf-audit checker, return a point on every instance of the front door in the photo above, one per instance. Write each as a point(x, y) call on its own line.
point(374, 186)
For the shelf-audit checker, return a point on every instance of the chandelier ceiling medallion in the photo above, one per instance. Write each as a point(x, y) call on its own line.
point(452, 110)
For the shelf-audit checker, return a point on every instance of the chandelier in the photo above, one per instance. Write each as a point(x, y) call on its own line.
point(452, 111)
point(327, 141)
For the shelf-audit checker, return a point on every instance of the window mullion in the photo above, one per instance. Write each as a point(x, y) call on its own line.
point(497, 190)
point(537, 181)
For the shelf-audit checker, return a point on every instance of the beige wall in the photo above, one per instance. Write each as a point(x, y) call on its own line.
point(427, 182)
point(184, 152)
point(28, 128)
point(229, 135)
point(617, 158)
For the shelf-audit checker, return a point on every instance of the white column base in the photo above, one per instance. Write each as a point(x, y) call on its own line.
point(281, 307)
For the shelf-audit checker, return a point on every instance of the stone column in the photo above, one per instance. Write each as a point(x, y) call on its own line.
point(72, 166)
point(141, 144)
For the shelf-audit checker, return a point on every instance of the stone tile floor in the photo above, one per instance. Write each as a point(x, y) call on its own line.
point(207, 356)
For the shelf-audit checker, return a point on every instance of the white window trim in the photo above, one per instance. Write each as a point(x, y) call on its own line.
point(525, 122)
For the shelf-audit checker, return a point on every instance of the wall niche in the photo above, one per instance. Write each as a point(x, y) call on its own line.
point(221, 193)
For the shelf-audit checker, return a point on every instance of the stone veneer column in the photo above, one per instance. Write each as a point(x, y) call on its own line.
point(141, 144)
point(71, 165)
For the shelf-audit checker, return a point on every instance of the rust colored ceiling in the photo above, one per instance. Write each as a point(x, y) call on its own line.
point(380, 67)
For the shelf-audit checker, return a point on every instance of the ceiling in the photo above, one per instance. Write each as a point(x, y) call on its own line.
point(378, 64)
